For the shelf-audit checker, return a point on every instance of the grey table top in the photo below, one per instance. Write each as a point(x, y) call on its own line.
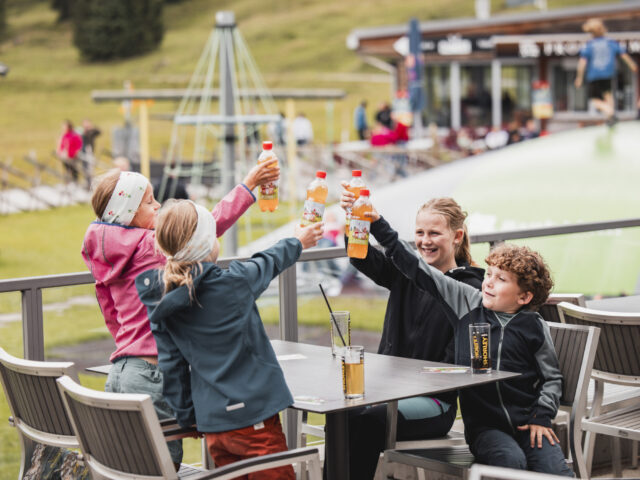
point(315, 379)
point(629, 304)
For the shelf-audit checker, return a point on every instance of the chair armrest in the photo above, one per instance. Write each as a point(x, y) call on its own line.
point(172, 431)
point(263, 462)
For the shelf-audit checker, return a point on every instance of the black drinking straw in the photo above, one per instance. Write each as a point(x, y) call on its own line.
point(332, 317)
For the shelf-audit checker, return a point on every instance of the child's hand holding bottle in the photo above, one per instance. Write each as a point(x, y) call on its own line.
point(310, 234)
point(348, 199)
point(262, 174)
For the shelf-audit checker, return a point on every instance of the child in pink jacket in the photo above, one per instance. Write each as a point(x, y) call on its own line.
point(120, 245)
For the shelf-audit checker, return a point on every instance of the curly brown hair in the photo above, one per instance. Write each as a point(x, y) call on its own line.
point(528, 266)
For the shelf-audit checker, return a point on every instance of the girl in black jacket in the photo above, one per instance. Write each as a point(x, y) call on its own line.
point(415, 326)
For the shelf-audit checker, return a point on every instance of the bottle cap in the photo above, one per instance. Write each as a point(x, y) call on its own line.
point(321, 174)
point(267, 145)
point(356, 173)
point(364, 192)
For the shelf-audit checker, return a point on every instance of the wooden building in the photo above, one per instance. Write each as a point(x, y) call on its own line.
point(482, 72)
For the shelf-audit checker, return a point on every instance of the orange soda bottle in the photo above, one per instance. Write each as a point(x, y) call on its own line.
point(355, 185)
point(359, 226)
point(268, 194)
point(316, 197)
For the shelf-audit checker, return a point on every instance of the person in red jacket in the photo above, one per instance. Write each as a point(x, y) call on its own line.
point(69, 146)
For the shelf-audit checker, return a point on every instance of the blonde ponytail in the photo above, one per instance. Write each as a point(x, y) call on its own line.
point(177, 220)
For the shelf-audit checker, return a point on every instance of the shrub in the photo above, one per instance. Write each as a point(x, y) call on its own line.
point(106, 30)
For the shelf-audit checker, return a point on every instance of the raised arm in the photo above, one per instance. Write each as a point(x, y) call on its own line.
point(264, 266)
point(462, 298)
point(375, 265)
point(237, 201)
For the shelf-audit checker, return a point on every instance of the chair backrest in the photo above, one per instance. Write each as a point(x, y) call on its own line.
point(34, 400)
point(487, 472)
point(549, 310)
point(617, 358)
point(575, 347)
point(119, 434)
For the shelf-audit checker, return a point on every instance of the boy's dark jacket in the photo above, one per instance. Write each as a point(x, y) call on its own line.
point(524, 346)
point(416, 324)
point(220, 371)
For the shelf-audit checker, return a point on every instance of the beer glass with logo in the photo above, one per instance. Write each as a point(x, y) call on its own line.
point(353, 372)
point(480, 347)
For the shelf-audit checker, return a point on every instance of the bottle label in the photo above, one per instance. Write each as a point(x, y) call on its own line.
point(359, 232)
point(312, 213)
point(348, 217)
point(269, 191)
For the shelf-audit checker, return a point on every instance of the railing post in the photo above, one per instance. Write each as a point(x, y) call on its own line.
point(288, 293)
point(288, 305)
point(32, 324)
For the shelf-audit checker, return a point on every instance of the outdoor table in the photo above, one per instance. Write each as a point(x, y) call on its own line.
point(315, 379)
point(630, 304)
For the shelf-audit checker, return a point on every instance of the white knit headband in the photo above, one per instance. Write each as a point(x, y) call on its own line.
point(126, 198)
point(201, 242)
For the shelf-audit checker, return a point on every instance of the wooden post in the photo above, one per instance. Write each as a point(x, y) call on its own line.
point(145, 168)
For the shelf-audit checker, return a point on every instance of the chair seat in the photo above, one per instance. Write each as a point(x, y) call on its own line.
point(189, 471)
point(623, 423)
point(454, 460)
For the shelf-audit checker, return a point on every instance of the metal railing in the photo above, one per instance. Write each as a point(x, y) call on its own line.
point(31, 287)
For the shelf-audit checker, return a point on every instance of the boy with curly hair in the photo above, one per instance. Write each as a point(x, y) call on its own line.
point(507, 423)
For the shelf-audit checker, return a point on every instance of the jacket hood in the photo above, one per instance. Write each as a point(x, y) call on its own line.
point(467, 274)
point(108, 248)
point(150, 286)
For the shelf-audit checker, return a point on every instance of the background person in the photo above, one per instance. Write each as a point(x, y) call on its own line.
point(360, 120)
point(69, 146)
point(416, 325)
point(89, 135)
point(598, 60)
point(220, 371)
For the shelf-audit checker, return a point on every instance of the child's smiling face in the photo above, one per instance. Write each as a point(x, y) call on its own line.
point(435, 240)
point(147, 211)
point(501, 292)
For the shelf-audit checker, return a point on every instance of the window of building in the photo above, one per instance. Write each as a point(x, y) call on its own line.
point(438, 95)
point(516, 83)
point(475, 102)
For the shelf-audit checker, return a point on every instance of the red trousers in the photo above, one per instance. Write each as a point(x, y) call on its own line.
point(235, 445)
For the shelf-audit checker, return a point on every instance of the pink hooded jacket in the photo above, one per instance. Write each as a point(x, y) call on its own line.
point(116, 254)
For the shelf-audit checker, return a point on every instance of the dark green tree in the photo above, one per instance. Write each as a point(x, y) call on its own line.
point(3, 21)
point(63, 7)
point(106, 30)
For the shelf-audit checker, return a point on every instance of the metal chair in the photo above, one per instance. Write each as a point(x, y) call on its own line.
point(37, 411)
point(575, 347)
point(549, 310)
point(617, 362)
point(487, 472)
point(121, 438)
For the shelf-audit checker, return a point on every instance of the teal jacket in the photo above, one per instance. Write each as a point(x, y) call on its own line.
point(220, 371)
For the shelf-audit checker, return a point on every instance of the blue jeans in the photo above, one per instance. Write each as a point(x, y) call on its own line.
point(495, 447)
point(134, 375)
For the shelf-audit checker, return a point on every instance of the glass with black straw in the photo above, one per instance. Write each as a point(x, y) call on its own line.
point(340, 327)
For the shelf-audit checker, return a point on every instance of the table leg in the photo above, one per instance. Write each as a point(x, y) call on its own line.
point(336, 445)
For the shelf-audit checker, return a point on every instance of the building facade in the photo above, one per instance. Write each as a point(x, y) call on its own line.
point(484, 72)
